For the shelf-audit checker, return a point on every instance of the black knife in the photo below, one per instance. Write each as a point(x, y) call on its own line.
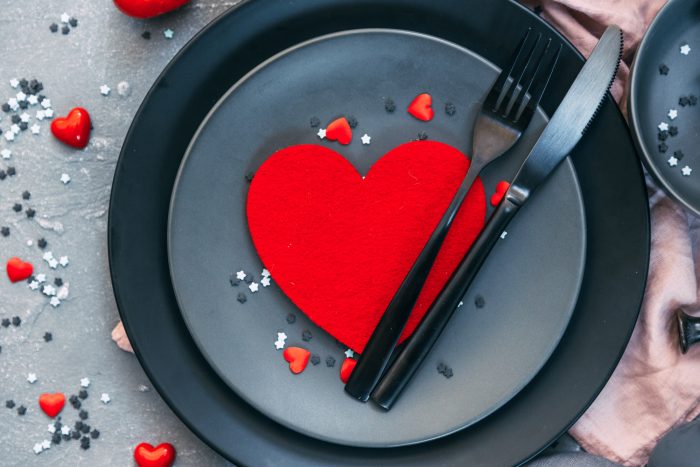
point(566, 127)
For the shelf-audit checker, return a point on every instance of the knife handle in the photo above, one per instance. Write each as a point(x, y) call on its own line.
point(426, 334)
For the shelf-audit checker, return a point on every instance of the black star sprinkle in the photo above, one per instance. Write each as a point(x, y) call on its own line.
point(23, 104)
point(21, 410)
point(479, 301)
point(692, 99)
point(75, 434)
point(30, 213)
point(2, 175)
point(94, 434)
point(15, 119)
point(248, 279)
point(314, 122)
point(17, 207)
point(146, 35)
point(41, 243)
point(65, 30)
point(16, 321)
point(241, 297)
point(83, 414)
point(291, 318)
point(450, 109)
point(673, 130)
point(78, 426)
point(448, 373)
point(663, 135)
point(663, 69)
point(48, 337)
point(85, 429)
point(58, 282)
point(23, 126)
point(6, 107)
point(663, 148)
point(83, 394)
point(389, 105)
point(73, 22)
point(330, 361)
point(352, 121)
point(23, 83)
point(53, 27)
point(11, 171)
point(10, 404)
point(85, 443)
point(4, 231)
point(5, 322)
point(249, 176)
point(306, 335)
point(441, 368)
point(26, 195)
point(678, 154)
point(683, 101)
point(35, 86)
point(315, 359)
point(56, 438)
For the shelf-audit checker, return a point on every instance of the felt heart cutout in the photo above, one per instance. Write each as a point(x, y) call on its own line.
point(339, 244)
point(297, 357)
point(501, 189)
point(18, 270)
point(148, 8)
point(52, 404)
point(339, 130)
point(74, 129)
point(162, 455)
point(421, 107)
point(346, 369)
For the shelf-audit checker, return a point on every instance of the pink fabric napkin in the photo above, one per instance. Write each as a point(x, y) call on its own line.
point(654, 388)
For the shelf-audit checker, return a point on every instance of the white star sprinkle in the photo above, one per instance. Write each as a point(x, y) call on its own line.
point(686, 171)
point(33, 285)
point(12, 102)
point(366, 139)
point(55, 302)
point(672, 161)
point(65, 430)
point(6, 153)
point(46, 103)
point(279, 345)
point(24, 117)
point(265, 273)
point(265, 281)
point(21, 97)
point(40, 114)
point(41, 277)
point(105, 398)
point(31, 378)
point(503, 235)
point(14, 128)
point(105, 90)
point(254, 287)
point(47, 256)
point(281, 336)
point(32, 100)
point(37, 448)
point(52, 428)
point(84, 382)
point(240, 275)
point(48, 113)
point(46, 444)
point(685, 49)
point(663, 126)
point(65, 178)
point(322, 133)
point(349, 353)
point(53, 264)
point(62, 293)
point(65, 17)
point(9, 136)
point(14, 82)
point(35, 129)
point(63, 261)
point(672, 114)
point(49, 290)
point(168, 33)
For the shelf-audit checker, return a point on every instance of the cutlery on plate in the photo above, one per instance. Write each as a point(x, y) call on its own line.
point(688, 330)
point(568, 124)
point(504, 116)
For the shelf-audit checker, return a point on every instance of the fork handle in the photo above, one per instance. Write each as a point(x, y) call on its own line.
point(426, 334)
point(381, 344)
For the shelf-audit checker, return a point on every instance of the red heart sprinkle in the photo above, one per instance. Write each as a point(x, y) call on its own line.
point(339, 130)
point(162, 455)
point(18, 270)
point(52, 404)
point(297, 357)
point(421, 107)
point(74, 129)
point(148, 8)
point(346, 369)
point(500, 192)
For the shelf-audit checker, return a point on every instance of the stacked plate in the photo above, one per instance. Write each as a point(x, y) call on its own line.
point(524, 366)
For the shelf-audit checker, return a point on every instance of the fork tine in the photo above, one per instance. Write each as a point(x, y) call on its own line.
point(536, 96)
point(518, 105)
point(509, 98)
point(494, 97)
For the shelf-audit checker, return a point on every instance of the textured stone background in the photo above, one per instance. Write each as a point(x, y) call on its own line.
point(105, 48)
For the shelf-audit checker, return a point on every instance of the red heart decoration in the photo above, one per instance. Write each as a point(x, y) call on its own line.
point(339, 130)
point(297, 357)
point(74, 129)
point(339, 245)
point(52, 404)
point(421, 107)
point(18, 270)
point(346, 369)
point(501, 189)
point(162, 455)
point(148, 8)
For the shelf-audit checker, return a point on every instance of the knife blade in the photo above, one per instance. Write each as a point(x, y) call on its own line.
point(566, 127)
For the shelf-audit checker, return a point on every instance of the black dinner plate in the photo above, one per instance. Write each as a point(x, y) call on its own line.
point(654, 94)
point(615, 209)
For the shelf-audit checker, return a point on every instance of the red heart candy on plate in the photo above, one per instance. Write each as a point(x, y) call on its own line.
point(501, 189)
point(346, 369)
point(18, 270)
point(74, 129)
point(339, 244)
point(52, 404)
point(297, 357)
point(162, 455)
point(421, 107)
point(339, 130)
point(148, 8)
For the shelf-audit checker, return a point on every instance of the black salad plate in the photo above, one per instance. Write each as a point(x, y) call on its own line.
point(615, 209)
point(663, 109)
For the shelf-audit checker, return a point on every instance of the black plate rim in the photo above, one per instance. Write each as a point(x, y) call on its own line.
point(114, 244)
point(635, 119)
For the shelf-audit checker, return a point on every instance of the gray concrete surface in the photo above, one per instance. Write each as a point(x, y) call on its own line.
point(105, 48)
